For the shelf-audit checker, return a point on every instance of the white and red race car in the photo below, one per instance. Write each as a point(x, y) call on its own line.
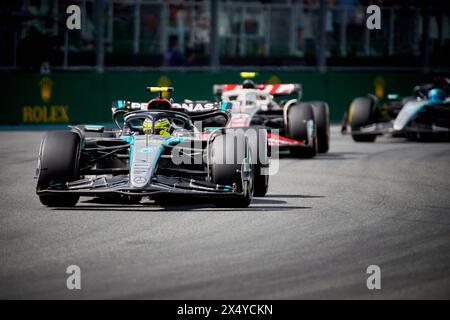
point(300, 127)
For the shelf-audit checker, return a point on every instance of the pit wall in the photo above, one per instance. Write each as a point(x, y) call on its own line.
point(85, 97)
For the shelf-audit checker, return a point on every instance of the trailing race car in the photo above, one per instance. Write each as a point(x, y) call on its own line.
point(424, 116)
point(301, 127)
point(155, 151)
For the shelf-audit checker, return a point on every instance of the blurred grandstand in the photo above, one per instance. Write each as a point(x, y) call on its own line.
point(309, 34)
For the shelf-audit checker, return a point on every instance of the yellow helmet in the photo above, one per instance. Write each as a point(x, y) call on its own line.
point(162, 127)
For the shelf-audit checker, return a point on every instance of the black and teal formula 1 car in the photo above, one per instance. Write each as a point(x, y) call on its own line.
point(425, 116)
point(154, 152)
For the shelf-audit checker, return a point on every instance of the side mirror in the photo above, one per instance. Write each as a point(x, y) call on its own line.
point(94, 128)
point(393, 96)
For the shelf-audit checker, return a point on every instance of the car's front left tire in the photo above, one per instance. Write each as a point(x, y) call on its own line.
point(228, 153)
point(258, 141)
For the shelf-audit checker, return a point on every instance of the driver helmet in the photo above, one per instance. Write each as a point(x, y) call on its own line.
point(436, 95)
point(248, 84)
point(162, 127)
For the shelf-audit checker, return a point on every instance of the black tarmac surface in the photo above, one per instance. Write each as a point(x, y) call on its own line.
point(322, 224)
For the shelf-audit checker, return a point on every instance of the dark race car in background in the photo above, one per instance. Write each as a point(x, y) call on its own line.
point(424, 116)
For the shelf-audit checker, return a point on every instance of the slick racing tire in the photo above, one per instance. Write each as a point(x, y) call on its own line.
point(234, 147)
point(299, 117)
point(259, 145)
point(322, 117)
point(59, 158)
point(360, 115)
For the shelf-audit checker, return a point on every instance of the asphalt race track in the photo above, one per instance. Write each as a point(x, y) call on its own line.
point(323, 223)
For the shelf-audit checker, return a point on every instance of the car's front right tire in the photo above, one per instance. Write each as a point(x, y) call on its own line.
point(58, 164)
point(360, 115)
point(322, 117)
point(301, 122)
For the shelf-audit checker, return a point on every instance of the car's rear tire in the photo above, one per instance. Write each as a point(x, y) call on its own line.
point(299, 118)
point(224, 173)
point(361, 114)
point(259, 145)
point(58, 163)
point(322, 117)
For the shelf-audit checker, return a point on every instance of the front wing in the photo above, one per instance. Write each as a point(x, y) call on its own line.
point(388, 128)
point(283, 142)
point(119, 185)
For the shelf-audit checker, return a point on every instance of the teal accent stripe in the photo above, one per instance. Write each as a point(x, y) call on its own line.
point(130, 140)
point(173, 140)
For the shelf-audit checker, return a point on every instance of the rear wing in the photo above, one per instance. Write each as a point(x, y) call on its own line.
point(187, 106)
point(128, 105)
point(210, 114)
point(273, 89)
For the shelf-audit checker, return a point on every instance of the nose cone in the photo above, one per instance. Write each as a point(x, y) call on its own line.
point(144, 156)
point(408, 112)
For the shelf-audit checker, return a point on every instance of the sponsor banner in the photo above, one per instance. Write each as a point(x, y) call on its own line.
point(195, 106)
point(85, 97)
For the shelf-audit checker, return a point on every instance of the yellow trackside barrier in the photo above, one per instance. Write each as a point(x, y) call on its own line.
point(159, 89)
point(248, 75)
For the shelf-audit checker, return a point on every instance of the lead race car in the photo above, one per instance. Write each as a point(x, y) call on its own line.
point(424, 116)
point(155, 152)
point(303, 128)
